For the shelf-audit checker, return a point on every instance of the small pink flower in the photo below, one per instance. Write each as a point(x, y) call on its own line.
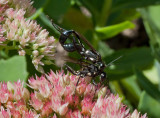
point(35, 102)
point(16, 114)
point(110, 106)
point(22, 53)
point(4, 113)
point(30, 114)
point(54, 116)
point(63, 109)
point(81, 88)
point(74, 114)
point(136, 114)
point(12, 14)
point(90, 90)
point(20, 106)
point(56, 102)
point(40, 84)
point(2, 38)
point(18, 90)
point(4, 93)
point(69, 98)
point(10, 105)
point(46, 110)
point(3, 1)
point(87, 104)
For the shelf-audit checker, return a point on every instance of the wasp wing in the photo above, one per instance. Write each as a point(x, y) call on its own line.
point(80, 62)
point(87, 42)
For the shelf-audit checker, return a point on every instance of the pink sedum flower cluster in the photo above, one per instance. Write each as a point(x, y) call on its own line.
point(26, 5)
point(26, 36)
point(56, 95)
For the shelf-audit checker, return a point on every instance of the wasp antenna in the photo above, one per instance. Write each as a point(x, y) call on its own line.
point(114, 61)
point(57, 27)
point(54, 25)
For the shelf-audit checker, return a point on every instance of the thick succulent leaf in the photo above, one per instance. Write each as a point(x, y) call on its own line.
point(94, 6)
point(13, 69)
point(55, 9)
point(147, 85)
point(149, 105)
point(75, 19)
point(151, 20)
point(122, 15)
point(39, 3)
point(133, 91)
point(110, 31)
point(100, 10)
point(140, 58)
point(125, 4)
point(104, 49)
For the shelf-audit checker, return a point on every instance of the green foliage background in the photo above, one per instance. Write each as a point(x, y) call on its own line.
point(135, 77)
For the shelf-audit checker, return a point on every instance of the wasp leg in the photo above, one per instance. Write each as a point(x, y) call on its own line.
point(77, 35)
point(73, 72)
point(70, 47)
point(75, 46)
point(78, 45)
point(78, 81)
point(105, 82)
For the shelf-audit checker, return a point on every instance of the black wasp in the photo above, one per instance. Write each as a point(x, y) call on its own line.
point(90, 62)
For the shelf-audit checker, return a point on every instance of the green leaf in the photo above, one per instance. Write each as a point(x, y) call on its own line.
point(140, 58)
point(13, 69)
point(149, 105)
point(3, 55)
point(47, 21)
point(151, 20)
point(99, 10)
point(133, 91)
point(104, 49)
point(94, 6)
point(39, 3)
point(123, 15)
point(147, 85)
point(116, 88)
point(152, 74)
point(125, 4)
point(75, 19)
point(55, 9)
point(36, 14)
point(110, 31)
point(44, 20)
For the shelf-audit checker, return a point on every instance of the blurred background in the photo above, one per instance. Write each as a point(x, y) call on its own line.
point(127, 28)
